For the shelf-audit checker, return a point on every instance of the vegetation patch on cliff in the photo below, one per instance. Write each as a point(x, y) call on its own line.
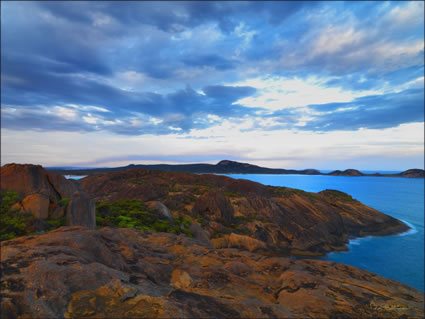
point(12, 223)
point(15, 223)
point(135, 214)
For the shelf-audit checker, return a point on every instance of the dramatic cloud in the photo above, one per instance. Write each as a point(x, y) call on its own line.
point(375, 112)
point(178, 68)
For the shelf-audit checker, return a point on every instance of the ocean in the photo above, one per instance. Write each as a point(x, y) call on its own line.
point(399, 257)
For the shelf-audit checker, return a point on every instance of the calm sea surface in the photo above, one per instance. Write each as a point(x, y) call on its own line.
point(399, 257)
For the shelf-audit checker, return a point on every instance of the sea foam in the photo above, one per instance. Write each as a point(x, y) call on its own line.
point(411, 231)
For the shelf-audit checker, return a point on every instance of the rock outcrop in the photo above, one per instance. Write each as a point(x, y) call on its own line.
point(75, 272)
point(163, 211)
point(214, 206)
point(41, 193)
point(81, 211)
point(286, 221)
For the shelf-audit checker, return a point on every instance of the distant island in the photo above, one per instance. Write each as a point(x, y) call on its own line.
point(232, 167)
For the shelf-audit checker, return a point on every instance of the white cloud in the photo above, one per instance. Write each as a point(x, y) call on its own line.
point(276, 93)
point(65, 113)
point(131, 76)
point(407, 14)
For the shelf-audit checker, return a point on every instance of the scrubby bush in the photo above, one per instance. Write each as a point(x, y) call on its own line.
point(134, 214)
point(13, 223)
point(56, 222)
point(64, 202)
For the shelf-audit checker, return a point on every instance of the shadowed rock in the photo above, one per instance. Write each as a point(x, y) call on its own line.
point(81, 211)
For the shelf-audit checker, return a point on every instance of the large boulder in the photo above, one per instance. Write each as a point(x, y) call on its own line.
point(37, 205)
point(200, 234)
point(81, 211)
point(163, 211)
point(46, 195)
point(27, 179)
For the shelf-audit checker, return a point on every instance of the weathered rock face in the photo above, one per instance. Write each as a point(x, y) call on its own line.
point(81, 211)
point(163, 211)
point(27, 179)
point(37, 205)
point(215, 206)
point(75, 272)
point(239, 241)
point(286, 221)
point(41, 192)
point(200, 234)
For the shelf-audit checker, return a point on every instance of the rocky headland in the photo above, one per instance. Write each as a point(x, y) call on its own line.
point(221, 249)
point(248, 215)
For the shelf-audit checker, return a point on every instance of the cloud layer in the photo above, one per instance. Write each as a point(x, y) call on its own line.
point(160, 68)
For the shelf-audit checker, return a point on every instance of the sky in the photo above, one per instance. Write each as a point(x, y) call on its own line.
point(325, 85)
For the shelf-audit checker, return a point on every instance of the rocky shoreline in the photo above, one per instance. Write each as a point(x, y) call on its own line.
point(221, 249)
point(75, 272)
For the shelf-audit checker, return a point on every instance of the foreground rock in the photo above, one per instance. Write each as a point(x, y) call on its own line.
point(75, 272)
point(45, 195)
point(272, 220)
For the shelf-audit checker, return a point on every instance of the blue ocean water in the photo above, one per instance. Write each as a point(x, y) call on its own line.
point(75, 176)
point(399, 257)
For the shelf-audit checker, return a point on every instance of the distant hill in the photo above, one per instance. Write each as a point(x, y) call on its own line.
point(347, 172)
point(413, 173)
point(229, 167)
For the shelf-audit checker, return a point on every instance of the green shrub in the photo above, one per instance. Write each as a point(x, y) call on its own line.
point(134, 214)
point(231, 194)
point(13, 223)
point(56, 222)
point(64, 202)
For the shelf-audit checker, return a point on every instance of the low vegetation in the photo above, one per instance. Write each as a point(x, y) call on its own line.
point(15, 223)
point(134, 214)
point(64, 202)
point(12, 223)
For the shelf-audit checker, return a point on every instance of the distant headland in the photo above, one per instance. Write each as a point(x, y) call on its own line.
point(233, 167)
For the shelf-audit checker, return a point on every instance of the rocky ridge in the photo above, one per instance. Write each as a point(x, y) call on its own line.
point(75, 272)
point(244, 214)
